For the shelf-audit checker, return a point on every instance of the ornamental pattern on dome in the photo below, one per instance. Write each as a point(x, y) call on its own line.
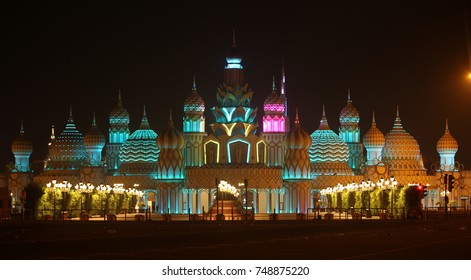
point(140, 148)
point(68, 150)
point(94, 138)
point(22, 145)
point(170, 164)
point(327, 146)
point(275, 102)
point(296, 160)
point(374, 138)
point(119, 116)
point(447, 144)
point(194, 104)
point(400, 145)
point(349, 114)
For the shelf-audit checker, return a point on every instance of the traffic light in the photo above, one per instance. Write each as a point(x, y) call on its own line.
point(451, 182)
point(425, 192)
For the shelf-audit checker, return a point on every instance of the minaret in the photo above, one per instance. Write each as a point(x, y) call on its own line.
point(274, 126)
point(194, 128)
point(349, 131)
point(118, 133)
point(22, 148)
point(447, 147)
point(283, 93)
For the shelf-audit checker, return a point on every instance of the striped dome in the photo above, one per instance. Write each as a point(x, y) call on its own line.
point(297, 138)
point(140, 146)
point(119, 117)
point(400, 145)
point(22, 145)
point(349, 114)
point(447, 143)
point(194, 104)
point(94, 138)
point(327, 146)
point(374, 138)
point(171, 139)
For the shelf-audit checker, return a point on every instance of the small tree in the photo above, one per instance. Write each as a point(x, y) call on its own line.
point(34, 192)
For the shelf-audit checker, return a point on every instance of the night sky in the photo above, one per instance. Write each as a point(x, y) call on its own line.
point(388, 53)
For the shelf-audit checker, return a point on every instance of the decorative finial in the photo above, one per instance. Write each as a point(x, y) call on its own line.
point(94, 120)
point(348, 98)
point(70, 114)
point(323, 111)
point(119, 96)
point(194, 84)
point(53, 136)
point(397, 111)
point(170, 119)
point(446, 124)
point(144, 121)
point(22, 131)
point(373, 123)
point(296, 121)
point(283, 77)
point(273, 86)
point(233, 38)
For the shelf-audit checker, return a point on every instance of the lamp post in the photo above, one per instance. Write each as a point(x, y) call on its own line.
point(83, 189)
point(53, 185)
point(119, 189)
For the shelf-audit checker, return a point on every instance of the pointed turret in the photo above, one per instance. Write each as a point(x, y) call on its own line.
point(447, 146)
point(374, 143)
point(94, 141)
point(22, 147)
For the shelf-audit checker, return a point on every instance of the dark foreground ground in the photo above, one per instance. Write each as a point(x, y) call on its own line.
point(318, 240)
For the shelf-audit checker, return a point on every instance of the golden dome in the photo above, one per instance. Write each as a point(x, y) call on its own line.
point(400, 145)
point(447, 144)
point(374, 138)
point(94, 138)
point(171, 139)
point(22, 145)
point(297, 138)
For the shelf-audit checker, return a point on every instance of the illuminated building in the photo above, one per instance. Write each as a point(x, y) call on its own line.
point(283, 168)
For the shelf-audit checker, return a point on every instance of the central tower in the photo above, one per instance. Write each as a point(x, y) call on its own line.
point(233, 139)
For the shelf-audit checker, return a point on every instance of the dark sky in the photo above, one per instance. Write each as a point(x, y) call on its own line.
point(408, 53)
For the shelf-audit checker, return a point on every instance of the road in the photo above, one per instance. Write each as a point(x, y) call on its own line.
point(290, 240)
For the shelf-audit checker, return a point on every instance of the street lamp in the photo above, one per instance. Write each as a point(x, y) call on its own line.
point(83, 189)
point(119, 189)
point(64, 186)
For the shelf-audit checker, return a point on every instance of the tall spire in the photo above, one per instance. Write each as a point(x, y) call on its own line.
point(70, 114)
point(119, 96)
point(53, 136)
point(170, 119)
point(22, 131)
point(324, 124)
point(397, 121)
point(144, 122)
point(373, 123)
point(273, 86)
point(194, 84)
point(296, 121)
point(94, 120)
point(348, 98)
point(283, 78)
point(283, 85)
point(446, 124)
